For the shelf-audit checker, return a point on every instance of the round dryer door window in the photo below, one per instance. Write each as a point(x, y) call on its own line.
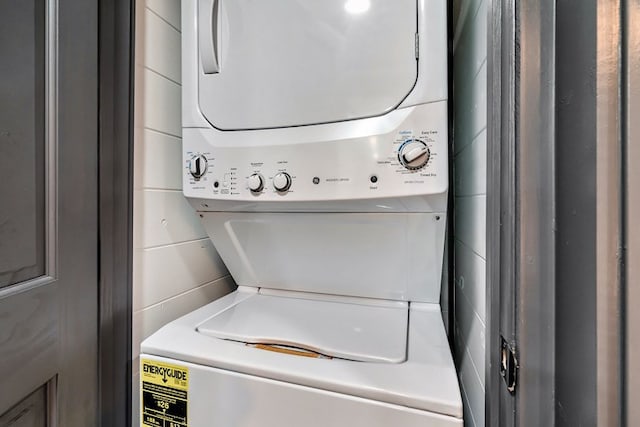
point(281, 63)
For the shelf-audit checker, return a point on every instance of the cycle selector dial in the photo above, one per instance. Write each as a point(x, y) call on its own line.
point(282, 182)
point(414, 154)
point(255, 183)
point(198, 166)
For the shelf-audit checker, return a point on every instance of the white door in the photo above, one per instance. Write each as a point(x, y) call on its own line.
point(48, 213)
point(269, 64)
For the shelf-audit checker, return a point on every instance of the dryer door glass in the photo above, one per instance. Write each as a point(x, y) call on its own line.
point(270, 64)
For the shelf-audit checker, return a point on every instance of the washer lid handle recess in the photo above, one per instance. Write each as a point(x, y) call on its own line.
point(208, 35)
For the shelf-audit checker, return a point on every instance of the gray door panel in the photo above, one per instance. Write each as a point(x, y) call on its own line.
point(30, 412)
point(48, 213)
point(28, 342)
point(22, 70)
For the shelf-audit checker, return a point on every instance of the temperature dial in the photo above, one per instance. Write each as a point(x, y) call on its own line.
point(414, 154)
point(255, 183)
point(282, 181)
point(198, 166)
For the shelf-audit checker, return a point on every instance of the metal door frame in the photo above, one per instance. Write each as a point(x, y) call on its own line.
point(500, 405)
point(631, 208)
point(520, 207)
point(560, 209)
point(116, 62)
point(609, 211)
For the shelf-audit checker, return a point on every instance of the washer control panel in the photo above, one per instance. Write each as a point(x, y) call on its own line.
point(408, 159)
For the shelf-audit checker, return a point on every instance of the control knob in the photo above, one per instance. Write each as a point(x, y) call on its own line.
point(255, 183)
point(282, 181)
point(198, 166)
point(414, 154)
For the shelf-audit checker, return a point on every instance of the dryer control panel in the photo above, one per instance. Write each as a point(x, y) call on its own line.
point(401, 154)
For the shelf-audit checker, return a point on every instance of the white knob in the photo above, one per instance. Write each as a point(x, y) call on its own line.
point(255, 183)
point(414, 154)
point(282, 181)
point(198, 166)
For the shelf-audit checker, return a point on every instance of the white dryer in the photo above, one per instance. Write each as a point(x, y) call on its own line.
point(315, 152)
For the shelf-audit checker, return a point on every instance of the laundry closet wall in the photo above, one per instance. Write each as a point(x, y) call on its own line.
point(470, 173)
point(175, 267)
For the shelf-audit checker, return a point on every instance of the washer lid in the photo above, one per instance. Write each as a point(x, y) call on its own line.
point(269, 64)
point(346, 330)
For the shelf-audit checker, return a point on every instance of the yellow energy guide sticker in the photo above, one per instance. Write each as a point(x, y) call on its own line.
point(164, 394)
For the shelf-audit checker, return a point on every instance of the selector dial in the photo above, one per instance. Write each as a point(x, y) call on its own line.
point(282, 181)
point(198, 166)
point(255, 183)
point(414, 154)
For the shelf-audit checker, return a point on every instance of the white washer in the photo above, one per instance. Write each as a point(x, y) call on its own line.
point(315, 151)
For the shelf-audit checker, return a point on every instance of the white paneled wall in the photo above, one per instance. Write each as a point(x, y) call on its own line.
point(470, 172)
point(176, 269)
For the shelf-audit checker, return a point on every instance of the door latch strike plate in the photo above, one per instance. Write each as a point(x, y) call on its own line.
point(508, 365)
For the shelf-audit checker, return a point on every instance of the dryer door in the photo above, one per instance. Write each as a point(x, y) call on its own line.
point(280, 63)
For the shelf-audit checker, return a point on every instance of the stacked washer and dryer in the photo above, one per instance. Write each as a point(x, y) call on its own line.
point(315, 153)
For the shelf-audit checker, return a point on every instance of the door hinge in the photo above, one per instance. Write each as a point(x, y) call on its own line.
point(417, 45)
point(508, 365)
